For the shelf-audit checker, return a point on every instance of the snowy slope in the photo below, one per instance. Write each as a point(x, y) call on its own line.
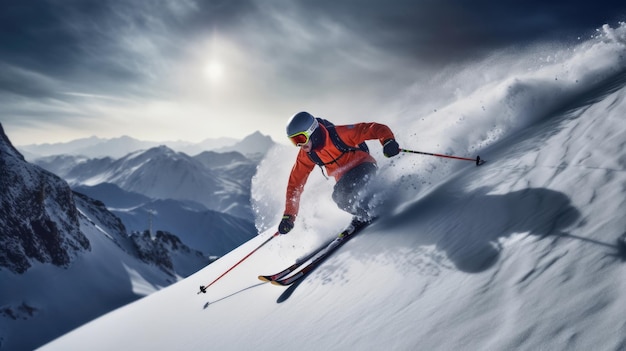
point(56, 299)
point(519, 253)
point(210, 232)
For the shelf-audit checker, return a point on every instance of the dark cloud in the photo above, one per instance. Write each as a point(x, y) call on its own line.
point(451, 30)
point(131, 43)
point(115, 43)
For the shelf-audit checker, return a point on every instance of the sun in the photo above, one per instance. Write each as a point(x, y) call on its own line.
point(214, 71)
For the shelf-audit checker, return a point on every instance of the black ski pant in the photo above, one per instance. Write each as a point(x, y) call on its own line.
point(347, 192)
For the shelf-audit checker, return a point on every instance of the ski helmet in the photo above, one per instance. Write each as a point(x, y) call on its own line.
point(300, 128)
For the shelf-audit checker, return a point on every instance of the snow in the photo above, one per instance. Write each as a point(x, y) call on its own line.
point(519, 253)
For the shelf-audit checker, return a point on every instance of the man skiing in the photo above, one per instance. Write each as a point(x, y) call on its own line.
point(341, 150)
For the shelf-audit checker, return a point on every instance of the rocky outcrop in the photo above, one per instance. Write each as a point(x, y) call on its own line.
point(38, 217)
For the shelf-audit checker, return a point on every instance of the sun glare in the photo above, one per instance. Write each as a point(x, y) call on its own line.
point(214, 71)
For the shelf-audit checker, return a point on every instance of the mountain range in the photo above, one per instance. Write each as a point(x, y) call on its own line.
point(94, 147)
point(159, 188)
point(53, 239)
point(162, 173)
point(140, 221)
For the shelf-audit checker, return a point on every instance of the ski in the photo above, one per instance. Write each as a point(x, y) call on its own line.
point(318, 257)
point(293, 267)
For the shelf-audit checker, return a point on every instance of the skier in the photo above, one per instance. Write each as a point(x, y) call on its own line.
point(342, 151)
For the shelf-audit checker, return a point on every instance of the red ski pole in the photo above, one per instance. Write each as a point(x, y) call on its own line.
point(477, 159)
point(203, 288)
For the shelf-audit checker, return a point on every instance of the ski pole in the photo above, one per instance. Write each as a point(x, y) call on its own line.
point(203, 288)
point(477, 159)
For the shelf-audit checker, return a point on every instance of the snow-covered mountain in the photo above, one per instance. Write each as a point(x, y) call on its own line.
point(210, 232)
point(254, 146)
point(222, 181)
point(38, 218)
point(521, 253)
point(93, 147)
point(65, 259)
point(73, 147)
point(113, 196)
point(161, 173)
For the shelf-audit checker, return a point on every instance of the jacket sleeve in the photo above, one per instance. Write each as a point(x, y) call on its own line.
point(297, 179)
point(354, 134)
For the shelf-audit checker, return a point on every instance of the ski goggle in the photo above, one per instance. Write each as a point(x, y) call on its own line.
point(301, 138)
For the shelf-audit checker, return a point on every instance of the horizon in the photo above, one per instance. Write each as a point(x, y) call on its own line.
point(141, 140)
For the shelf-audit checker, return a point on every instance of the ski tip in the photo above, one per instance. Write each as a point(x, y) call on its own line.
point(277, 283)
point(264, 278)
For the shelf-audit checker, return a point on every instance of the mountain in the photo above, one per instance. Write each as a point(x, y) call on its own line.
point(237, 168)
point(61, 165)
point(210, 232)
point(114, 148)
point(65, 259)
point(205, 145)
point(113, 196)
point(161, 173)
point(92, 147)
point(69, 148)
point(254, 145)
point(166, 251)
point(525, 252)
point(71, 166)
point(214, 159)
point(38, 217)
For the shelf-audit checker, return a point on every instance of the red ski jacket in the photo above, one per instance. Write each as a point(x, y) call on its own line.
point(336, 164)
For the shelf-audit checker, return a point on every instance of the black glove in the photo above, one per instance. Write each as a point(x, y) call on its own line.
point(391, 148)
point(286, 224)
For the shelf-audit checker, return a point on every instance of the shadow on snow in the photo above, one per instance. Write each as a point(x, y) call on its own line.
point(468, 226)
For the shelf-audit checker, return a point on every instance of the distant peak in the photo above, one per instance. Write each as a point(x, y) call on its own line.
point(161, 149)
point(124, 137)
point(257, 135)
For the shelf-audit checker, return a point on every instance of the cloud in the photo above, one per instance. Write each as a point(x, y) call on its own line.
point(105, 58)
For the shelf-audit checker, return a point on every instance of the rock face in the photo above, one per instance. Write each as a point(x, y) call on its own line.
point(38, 217)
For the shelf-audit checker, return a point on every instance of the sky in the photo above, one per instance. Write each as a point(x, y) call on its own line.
point(191, 70)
